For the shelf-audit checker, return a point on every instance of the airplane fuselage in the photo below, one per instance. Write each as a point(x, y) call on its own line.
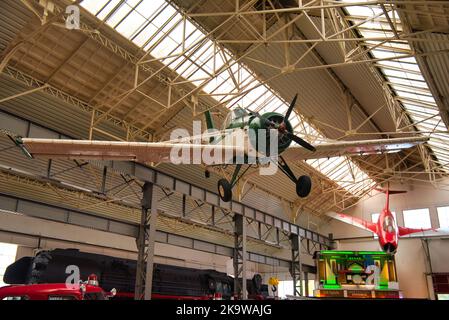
point(387, 231)
point(251, 122)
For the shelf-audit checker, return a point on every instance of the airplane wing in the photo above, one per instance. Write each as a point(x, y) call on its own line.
point(423, 232)
point(161, 151)
point(348, 148)
point(116, 150)
point(360, 223)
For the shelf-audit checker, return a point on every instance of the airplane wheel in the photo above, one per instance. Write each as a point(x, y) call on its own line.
point(303, 186)
point(225, 190)
point(207, 174)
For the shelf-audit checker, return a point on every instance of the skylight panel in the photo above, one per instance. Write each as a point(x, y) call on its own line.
point(408, 82)
point(419, 109)
point(157, 27)
point(386, 54)
point(401, 64)
point(403, 74)
point(416, 96)
point(119, 15)
point(364, 11)
point(372, 33)
point(94, 6)
point(147, 8)
point(131, 24)
point(399, 47)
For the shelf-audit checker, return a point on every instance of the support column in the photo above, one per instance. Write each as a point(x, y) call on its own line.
point(145, 243)
point(296, 267)
point(240, 258)
point(306, 284)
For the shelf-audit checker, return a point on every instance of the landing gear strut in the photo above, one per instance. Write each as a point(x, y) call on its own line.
point(225, 187)
point(303, 183)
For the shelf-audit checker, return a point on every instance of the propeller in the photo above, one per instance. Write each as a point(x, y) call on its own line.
point(282, 127)
point(300, 141)
point(290, 108)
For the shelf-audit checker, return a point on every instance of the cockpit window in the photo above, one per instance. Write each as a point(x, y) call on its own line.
point(388, 224)
point(239, 112)
point(234, 115)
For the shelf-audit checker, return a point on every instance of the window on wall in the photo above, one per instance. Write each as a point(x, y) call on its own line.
point(7, 256)
point(286, 288)
point(417, 218)
point(443, 296)
point(311, 286)
point(443, 217)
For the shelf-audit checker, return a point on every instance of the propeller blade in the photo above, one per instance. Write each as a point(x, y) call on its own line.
point(300, 141)
point(290, 108)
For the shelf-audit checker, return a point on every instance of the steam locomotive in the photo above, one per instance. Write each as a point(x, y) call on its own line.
point(169, 282)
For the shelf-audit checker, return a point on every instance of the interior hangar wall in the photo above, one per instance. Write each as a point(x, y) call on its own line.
point(411, 261)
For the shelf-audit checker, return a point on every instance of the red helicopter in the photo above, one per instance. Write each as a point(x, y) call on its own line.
point(386, 228)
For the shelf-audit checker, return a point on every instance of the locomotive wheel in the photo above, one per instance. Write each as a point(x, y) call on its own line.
point(303, 186)
point(225, 190)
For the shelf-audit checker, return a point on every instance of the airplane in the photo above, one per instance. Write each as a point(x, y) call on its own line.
point(238, 121)
point(386, 229)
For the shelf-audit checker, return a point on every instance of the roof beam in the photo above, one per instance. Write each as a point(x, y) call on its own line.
point(441, 101)
point(340, 83)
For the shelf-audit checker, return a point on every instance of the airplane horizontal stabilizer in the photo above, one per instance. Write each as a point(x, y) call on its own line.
point(390, 191)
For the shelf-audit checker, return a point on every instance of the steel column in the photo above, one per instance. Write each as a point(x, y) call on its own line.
point(306, 283)
point(296, 266)
point(145, 243)
point(240, 258)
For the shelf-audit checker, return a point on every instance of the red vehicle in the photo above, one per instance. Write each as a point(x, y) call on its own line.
point(56, 291)
point(51, 291)
point(386, 228)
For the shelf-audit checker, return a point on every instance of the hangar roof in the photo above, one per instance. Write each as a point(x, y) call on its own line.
point(145, 67)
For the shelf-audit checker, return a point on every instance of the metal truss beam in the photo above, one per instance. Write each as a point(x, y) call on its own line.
point(142, 64)
point(342, 33)
point(37, 85)
point(440, 99)
point(137, 61)
point(322, 4)
point(90, 220)
point(178, 188)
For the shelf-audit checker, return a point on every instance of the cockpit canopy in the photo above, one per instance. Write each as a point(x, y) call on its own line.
point(236, 115)
point(389, 224)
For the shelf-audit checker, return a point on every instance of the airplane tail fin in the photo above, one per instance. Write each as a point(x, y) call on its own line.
point(209, 123)
point(387, 191)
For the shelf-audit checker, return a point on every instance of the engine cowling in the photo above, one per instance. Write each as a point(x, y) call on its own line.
point(277, 119)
